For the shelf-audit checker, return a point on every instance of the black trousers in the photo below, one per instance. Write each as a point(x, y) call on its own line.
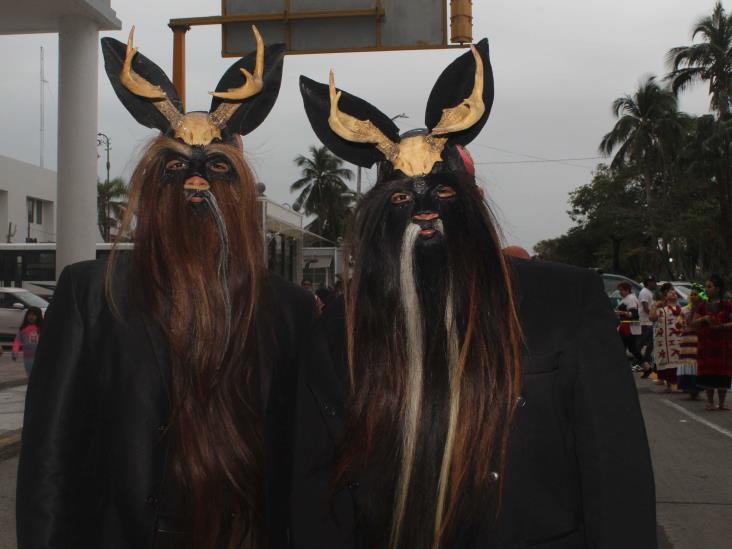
point(630, 345)
point(645, 343)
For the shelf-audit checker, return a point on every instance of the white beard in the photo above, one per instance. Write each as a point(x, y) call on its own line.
point(415, 373)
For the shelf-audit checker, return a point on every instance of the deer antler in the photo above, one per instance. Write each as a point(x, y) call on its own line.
point(469, 111)
point(141, 87)
point(133, 81)
point(253, 84)
point(355, 130)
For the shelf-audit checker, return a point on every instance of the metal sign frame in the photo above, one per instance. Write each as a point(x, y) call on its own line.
point(287, 16)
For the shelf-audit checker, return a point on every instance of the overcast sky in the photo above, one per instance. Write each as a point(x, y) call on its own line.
point(557, 66)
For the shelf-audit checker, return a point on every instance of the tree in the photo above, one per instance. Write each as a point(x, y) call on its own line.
point(711, 61)
point(323, 192)
point(111, 204)
point(609, 208)
point(649, 132)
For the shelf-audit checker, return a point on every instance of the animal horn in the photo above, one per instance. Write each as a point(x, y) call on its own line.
point(141, 87)
point(355, 130)
point(253, 84)
point(470, 109)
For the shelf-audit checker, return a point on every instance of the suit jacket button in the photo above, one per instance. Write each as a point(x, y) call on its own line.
point(520, 402)
point(493, 476)
point(329, 410)
point(353, 485)
point(162, 428)
point(151, 500)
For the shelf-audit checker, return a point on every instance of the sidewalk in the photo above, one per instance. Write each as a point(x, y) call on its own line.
point(13, 383)
point(12, 373)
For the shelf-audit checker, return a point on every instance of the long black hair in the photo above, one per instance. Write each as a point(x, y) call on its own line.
point(430, 412)
point(39, 318)
point(719, 284)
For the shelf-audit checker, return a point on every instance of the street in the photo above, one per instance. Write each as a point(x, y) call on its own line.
point(692, 452)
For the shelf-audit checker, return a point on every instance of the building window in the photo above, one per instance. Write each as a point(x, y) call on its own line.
point(35, 210)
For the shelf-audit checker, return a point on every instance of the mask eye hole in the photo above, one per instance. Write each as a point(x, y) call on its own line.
point(400, 198)
point(445, 191)
point(219, 166)
point(176, 165)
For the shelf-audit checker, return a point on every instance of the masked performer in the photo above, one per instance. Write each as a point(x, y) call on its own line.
point(158, 413)
point(459, 398)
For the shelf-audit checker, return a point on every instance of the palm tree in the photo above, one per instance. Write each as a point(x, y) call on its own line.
point(649, 131)
point(709, 60)
point(323, 191)
point(111, 204)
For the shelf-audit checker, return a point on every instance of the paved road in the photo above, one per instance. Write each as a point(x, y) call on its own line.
point(692, 456)
point(692, 459)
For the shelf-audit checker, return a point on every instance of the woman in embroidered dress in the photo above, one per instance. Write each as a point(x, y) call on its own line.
point(714, 355)
point(668, 331)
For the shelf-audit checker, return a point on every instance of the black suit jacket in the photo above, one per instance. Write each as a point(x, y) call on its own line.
point(579, 472)
point(94, 436)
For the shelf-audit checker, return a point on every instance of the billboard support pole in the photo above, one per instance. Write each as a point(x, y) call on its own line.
point(179, 60)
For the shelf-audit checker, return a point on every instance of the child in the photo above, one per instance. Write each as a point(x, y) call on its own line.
point(28, 336)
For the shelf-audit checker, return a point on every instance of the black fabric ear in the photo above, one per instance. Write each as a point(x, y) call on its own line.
point(252, 111)
point(455, 84)
point(316, 98)
point(141, 108)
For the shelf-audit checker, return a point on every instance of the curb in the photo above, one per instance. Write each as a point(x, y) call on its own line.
point(10, 444)
point(13, 383)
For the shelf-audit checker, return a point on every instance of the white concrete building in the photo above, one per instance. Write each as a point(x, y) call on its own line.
point(77, 23)
point(27, 202)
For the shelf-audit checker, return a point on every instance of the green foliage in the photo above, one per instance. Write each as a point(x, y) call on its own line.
point(664, 204)
point(111, 205)
point(324, 192)
point(707, 61)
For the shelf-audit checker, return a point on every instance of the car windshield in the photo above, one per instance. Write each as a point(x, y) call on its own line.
point(30, 300)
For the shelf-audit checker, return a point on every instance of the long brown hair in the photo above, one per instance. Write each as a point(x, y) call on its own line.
point(175, 278)
point(432, 423)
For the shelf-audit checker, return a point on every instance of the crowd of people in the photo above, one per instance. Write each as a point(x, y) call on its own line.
point(689, 348)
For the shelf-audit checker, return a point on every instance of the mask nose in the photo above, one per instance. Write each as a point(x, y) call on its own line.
point(425, 216)
point(196, 183)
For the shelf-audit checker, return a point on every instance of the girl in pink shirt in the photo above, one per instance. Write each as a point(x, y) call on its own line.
point(28, 336)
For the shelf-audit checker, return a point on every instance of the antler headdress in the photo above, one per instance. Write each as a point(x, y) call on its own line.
point(242, 100)
point(457, 109)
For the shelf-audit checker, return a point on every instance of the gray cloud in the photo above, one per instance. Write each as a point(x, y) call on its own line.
point(558, 66)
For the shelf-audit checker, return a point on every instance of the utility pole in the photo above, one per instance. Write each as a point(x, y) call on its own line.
point(43, 117)
point(104, 139)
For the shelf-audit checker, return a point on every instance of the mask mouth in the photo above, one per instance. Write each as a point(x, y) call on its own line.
point(428, 228)
point(196, 198)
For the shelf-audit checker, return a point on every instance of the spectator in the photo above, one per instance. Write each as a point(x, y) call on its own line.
point(627, 313)
point(668, 330)
point(646, 339)
point(686, 372)
point(27, 337)
point(714, 354)
point(307, 284)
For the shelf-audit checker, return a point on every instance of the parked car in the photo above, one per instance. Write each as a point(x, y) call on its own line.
point(611, 282)
point(13, 304)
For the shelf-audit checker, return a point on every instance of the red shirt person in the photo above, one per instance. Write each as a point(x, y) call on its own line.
point(714, 358)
